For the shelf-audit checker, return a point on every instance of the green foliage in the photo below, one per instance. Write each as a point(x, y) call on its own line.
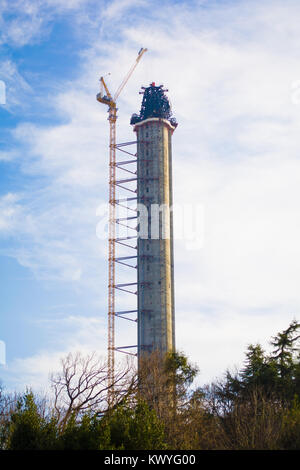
point(285, 347)
point(286, 358)
point(180, 369)
point(29, 429)
point(89, 433)
point(277, 374)
point(260, 371)
point(127, 427)
point(136, 428)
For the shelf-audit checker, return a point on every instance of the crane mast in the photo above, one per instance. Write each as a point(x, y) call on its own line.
point(110, 101)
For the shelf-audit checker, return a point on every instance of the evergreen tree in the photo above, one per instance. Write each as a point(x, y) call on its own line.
point(29, 430)
point(88, 433)
point(135, 428)
point(285, 345)
point(259, 371)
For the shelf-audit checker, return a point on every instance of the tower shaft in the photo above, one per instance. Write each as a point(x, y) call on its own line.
point(156, 322)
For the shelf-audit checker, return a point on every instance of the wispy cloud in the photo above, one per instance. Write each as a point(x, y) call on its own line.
point(86, 334)
point(9, 212)
point(17, 88)
point(230, 69)
point(24, 21)
point(114, 10)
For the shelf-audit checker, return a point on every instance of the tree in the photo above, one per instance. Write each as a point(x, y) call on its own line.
point(256, 407)
point(165, 379)
point(255, 423)
point(29, 430)
point(259, 371)
point(88, 433)
point(252, 405)
point(82, 385)
point(164, 382)
point(275, 374)
point(135, 427)
point(7, 404)
point(285, 345)
point(180, 373)
point(290, 438)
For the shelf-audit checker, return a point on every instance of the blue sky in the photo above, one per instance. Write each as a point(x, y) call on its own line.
point(233, 76)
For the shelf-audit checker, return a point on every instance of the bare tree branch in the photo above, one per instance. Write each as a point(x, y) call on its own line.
point(82, 384)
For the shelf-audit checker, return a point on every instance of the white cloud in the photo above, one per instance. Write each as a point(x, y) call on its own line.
point(9, 213)
point(16, 87)
point(250, 255)
point(25, 22)
point(86, 334)
point(229, 71)
point(7, 156)
point(220, 340)
point(114, 10)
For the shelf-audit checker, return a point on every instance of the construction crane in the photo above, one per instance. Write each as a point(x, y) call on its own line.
point(106, 98)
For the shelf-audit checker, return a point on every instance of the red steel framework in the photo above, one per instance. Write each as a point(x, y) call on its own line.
point(105, 97)
point(111, 245)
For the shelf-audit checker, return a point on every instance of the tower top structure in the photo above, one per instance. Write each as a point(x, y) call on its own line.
point(155, 104)
point(154, 127)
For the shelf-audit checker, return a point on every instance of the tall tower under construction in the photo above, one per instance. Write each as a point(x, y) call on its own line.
point(154, 127)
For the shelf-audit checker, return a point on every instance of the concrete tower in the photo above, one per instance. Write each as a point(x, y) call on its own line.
point(154, 128)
